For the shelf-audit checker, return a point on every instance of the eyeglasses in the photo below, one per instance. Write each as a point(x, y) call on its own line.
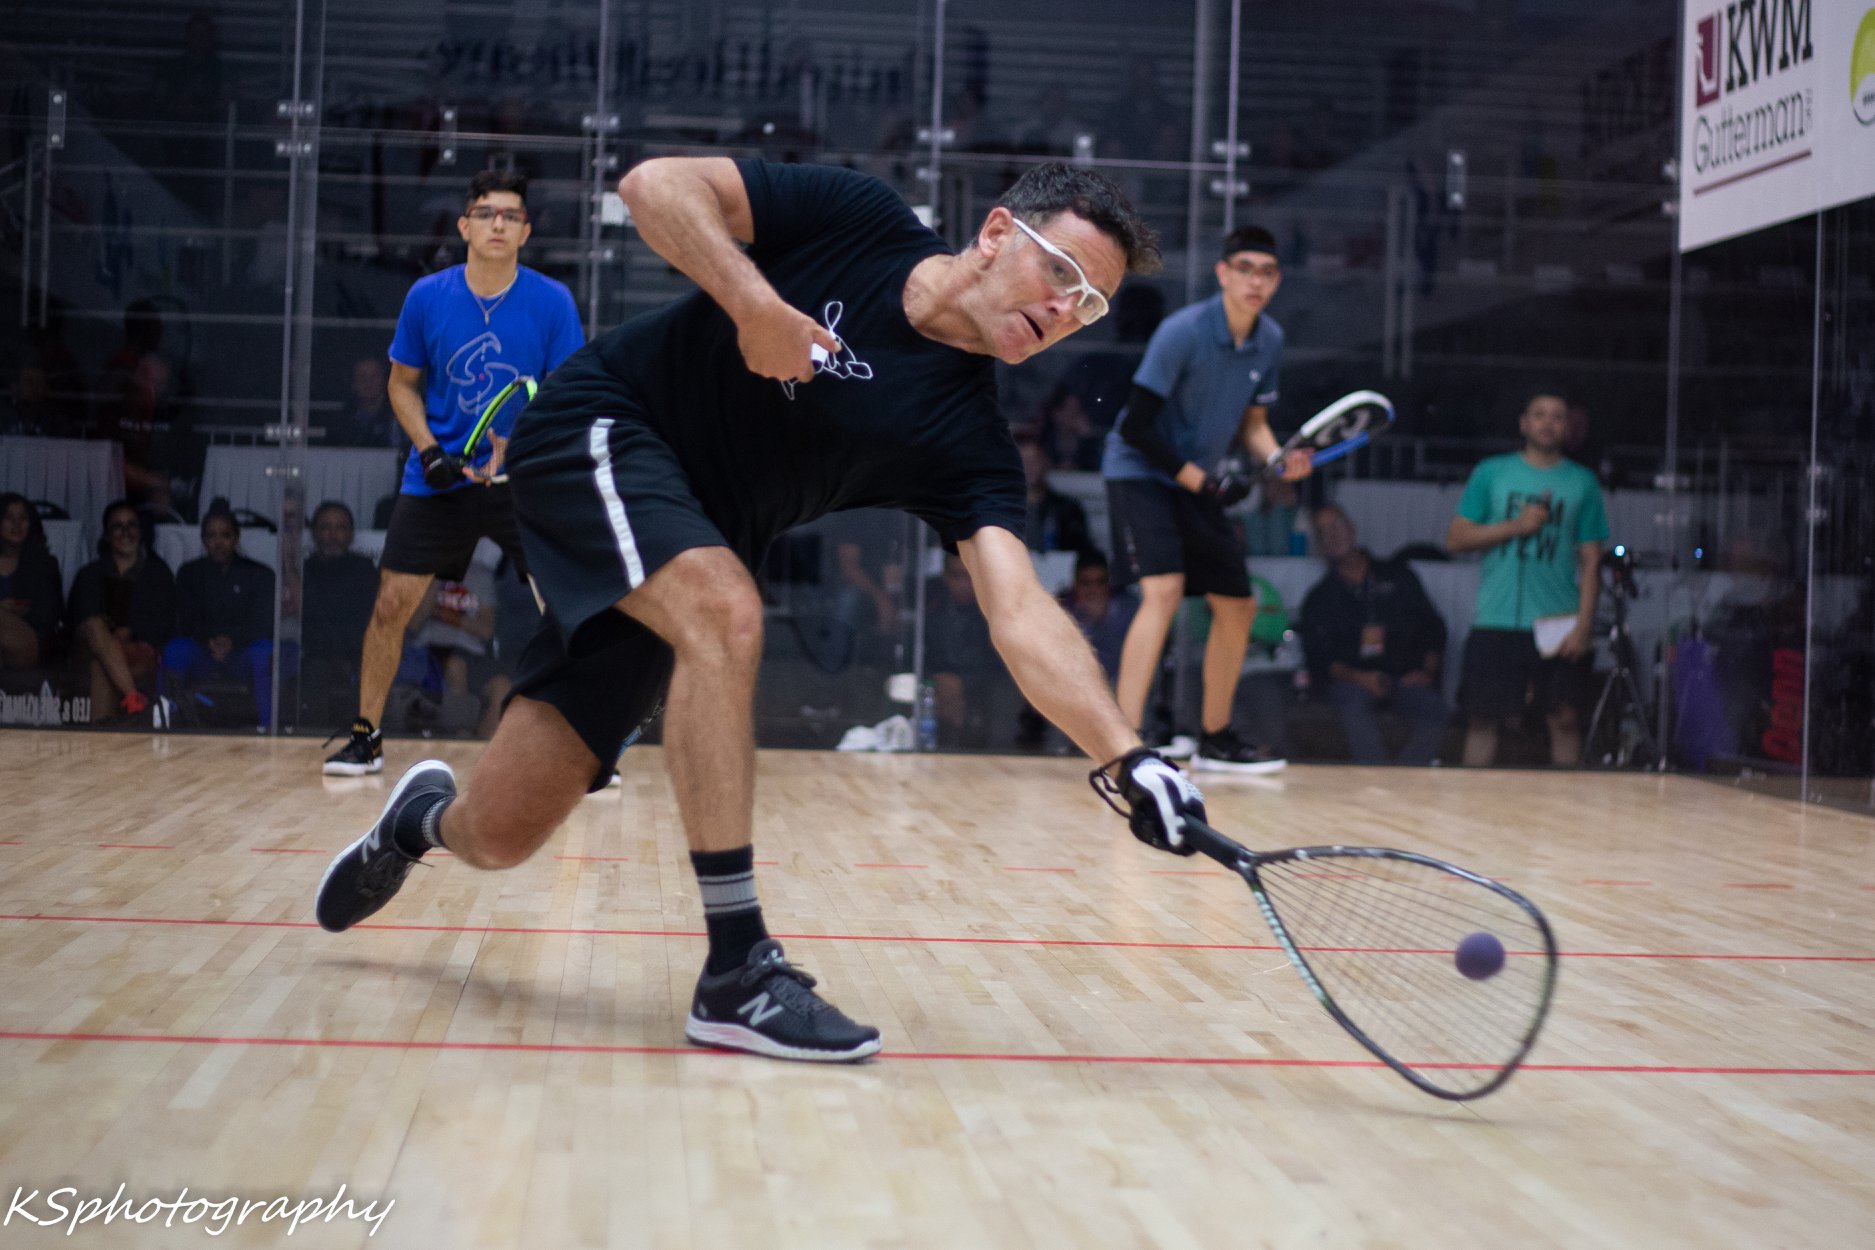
point(124, 527)
point(1269, 271)
point(512, 216)
point(1068, 279)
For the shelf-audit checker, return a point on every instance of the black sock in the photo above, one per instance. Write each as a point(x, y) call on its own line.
point(730, 908)
point(419, 824)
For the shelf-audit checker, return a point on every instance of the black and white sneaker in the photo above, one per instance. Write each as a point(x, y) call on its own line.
point(1225, 752)
point(768, 1007)
point(363, 754)
point(368, 873)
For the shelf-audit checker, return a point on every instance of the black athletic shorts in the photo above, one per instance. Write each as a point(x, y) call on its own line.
point(1166, 529)
point(600, 509)
point(1503, 674)
point(436, 534)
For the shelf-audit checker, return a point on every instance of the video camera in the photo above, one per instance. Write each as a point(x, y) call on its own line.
point(1618, 565)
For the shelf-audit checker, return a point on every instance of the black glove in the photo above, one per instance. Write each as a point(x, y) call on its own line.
point(1229, 482)
point(1158, 799)
point(440, 469)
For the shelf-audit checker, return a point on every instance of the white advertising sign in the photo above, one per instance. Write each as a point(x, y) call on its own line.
point(1773, 98)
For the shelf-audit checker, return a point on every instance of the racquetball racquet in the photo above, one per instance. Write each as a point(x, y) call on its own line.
point(1344, 427)
point(487, 420)
point(1377, 937)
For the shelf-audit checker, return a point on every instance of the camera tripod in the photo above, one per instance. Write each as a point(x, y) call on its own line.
point(1621, 695)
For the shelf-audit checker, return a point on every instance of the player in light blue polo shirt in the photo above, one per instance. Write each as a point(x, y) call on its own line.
point(1201, 398)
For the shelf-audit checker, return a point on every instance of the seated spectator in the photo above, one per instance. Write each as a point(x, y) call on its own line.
point(30, 590)
point(959, 658)
point(224, 618)
point(870, 559)
point(367, 420)
point(1056, 522)
point(1373, 639)
point(340, 586)
point(1102, 615)
point(122, 611)
point(456, 625)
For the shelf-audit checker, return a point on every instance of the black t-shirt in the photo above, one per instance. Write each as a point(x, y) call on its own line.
point(1336, 614)
point(897, 420)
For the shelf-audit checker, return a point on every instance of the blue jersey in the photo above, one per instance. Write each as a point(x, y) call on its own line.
point(468, 355)
point(1207, 380)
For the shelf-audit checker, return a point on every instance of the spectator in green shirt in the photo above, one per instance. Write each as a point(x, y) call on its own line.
point(1538, 518)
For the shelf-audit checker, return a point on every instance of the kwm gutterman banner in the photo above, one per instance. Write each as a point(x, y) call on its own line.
point(1777, 109)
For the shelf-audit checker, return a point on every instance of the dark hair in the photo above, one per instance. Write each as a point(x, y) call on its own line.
point(1248, 239)
point(1542, 388)
point(1090, 559)
point(342, 507)
point(490, 181)
point(220, 509)
point(35, 528)
point(104, 538)
point(1057, 188)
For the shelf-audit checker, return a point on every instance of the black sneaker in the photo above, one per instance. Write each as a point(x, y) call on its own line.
point(1225, 752)
point(363, 754)
point(369, 872)
point(768, 1007)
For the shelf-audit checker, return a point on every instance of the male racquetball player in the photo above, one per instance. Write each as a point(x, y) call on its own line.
point(844, 360)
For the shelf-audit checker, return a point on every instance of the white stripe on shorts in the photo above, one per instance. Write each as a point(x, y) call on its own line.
point(601, 447)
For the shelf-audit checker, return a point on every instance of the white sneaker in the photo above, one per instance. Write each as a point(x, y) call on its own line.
point(1181, 747)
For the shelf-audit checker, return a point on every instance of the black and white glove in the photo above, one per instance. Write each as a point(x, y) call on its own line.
point(440, 469)
point(1229, 481)
point(1159, 799)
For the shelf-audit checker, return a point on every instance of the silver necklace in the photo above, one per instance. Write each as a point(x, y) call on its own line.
point(488, 310)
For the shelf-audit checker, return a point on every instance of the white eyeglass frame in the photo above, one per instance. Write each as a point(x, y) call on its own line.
point(1091, 305)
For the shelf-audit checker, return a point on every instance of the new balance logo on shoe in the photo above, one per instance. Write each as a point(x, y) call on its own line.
point(759, 1008)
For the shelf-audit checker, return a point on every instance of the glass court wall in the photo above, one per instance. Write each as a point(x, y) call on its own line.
point(210, 214)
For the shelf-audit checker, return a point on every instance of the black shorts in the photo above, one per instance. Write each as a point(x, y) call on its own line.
point(1504, 674)
point(600, 509)
point(1165, 529)
point(609, 693)
point(435, 535)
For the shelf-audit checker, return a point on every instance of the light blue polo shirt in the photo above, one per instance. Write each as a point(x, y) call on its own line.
point(1207, 381)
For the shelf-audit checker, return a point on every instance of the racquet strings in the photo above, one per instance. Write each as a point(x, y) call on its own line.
point(1380, 935)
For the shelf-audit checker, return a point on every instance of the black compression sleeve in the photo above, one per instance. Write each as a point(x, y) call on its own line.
point(1140, 428)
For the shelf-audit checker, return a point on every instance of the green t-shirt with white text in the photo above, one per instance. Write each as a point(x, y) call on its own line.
point(1534, 575)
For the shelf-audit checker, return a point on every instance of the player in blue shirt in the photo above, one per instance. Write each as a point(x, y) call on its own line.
point(464, 334)
point(1201, 398)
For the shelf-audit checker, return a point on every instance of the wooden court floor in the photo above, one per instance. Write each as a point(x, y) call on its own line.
point(1088, 1043)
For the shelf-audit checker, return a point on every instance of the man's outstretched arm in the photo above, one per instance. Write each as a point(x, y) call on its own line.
point(694, 212)
point(1043, 647)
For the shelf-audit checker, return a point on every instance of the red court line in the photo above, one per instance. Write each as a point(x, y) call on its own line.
point(1758, 885)
point(914, 939)
point(1015, 868)
point(891, 865)
point(1202, 1061)
point(132, 846)
point(1593, 882)
point(12, 844)
point(771, 863)
point(285, 850)
point(603, 859)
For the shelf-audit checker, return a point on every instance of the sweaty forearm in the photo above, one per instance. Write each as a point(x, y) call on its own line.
point(1060, 677)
